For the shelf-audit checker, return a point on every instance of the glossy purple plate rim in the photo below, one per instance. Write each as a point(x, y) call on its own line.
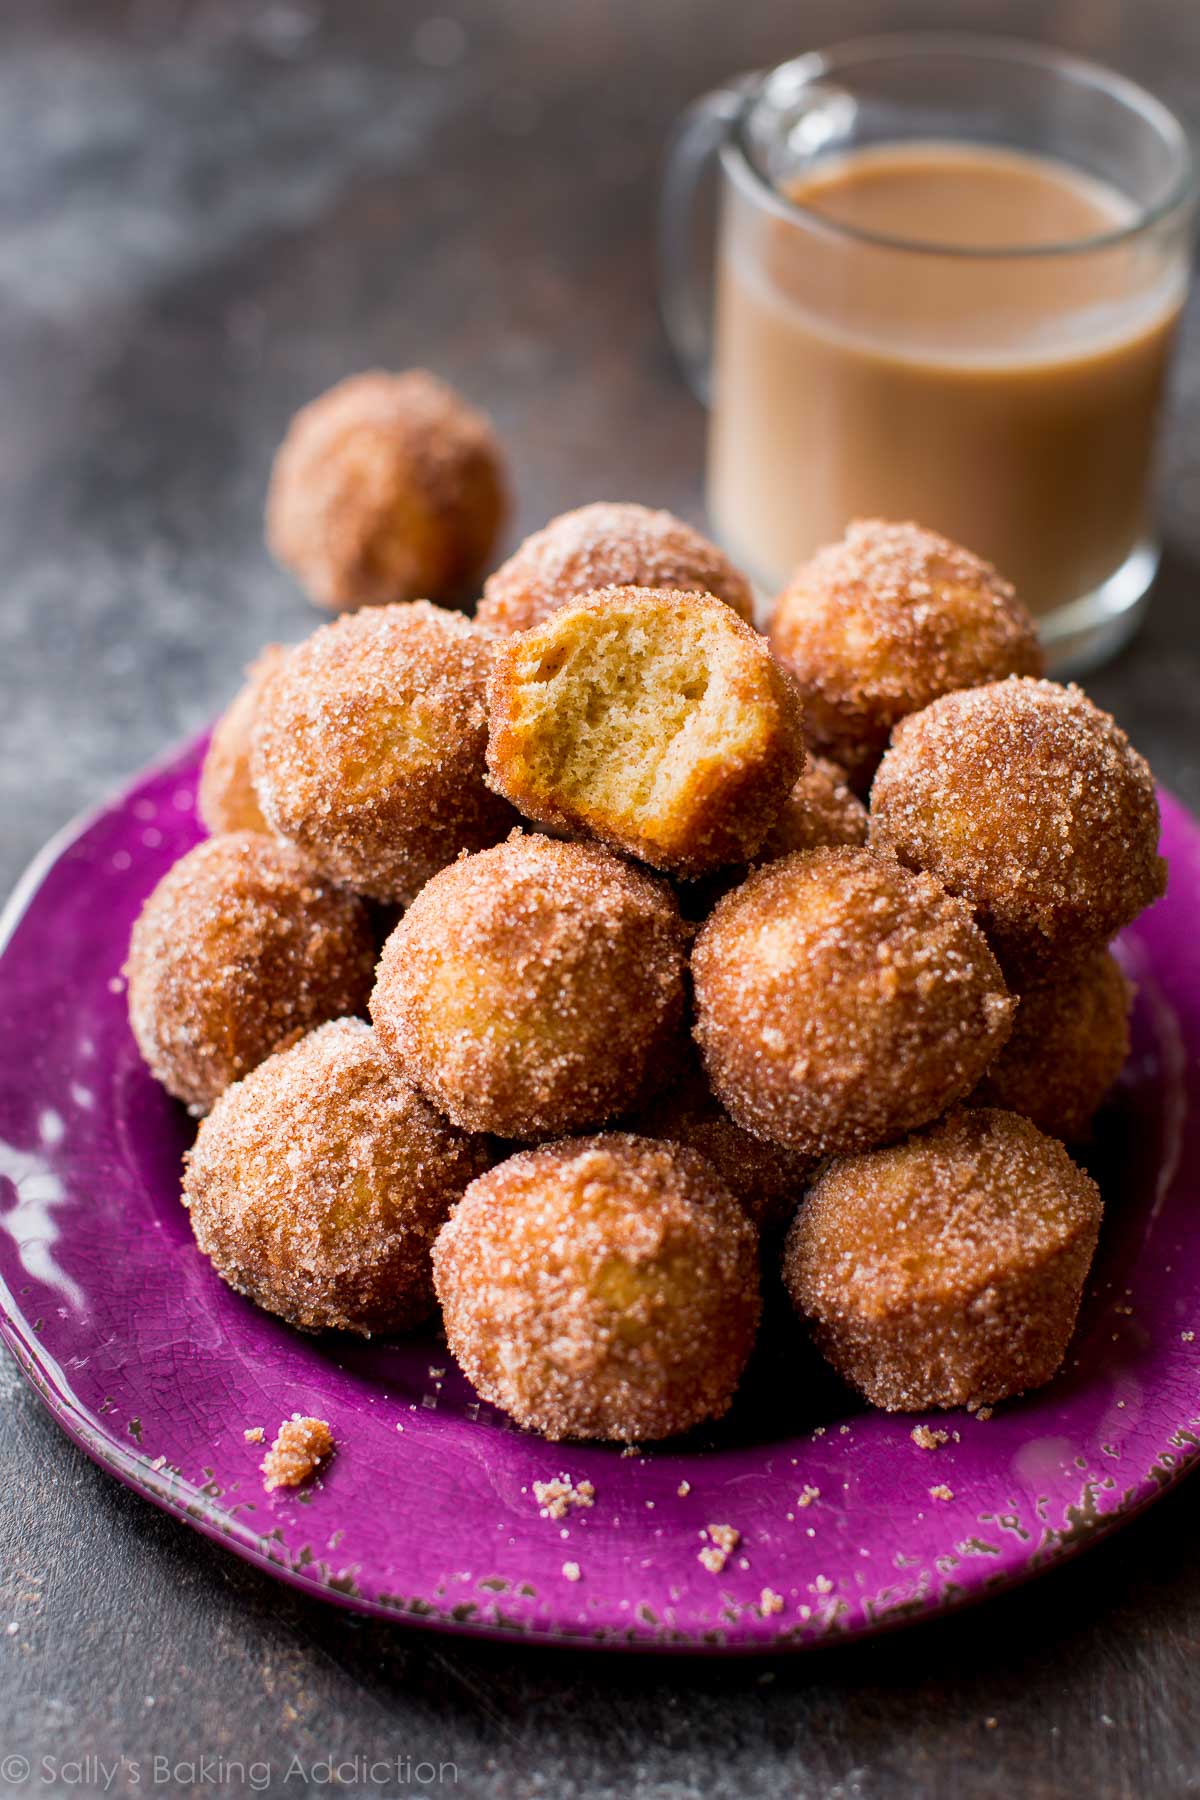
point(846, 1527)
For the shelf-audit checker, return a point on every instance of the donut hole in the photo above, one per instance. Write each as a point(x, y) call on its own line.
point(397, 735)
point(622, 715)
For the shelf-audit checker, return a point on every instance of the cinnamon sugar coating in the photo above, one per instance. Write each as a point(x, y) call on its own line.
point(602, 1287)
point(606, 544)
point(842, 1001)
point(765, 1179)
point(317, 1185)
point(880, 624)
point(655, 721)
point(1033, 805)
point(530, 990)
point(241, 948)
point(818, 814)
point(946, 1270)
point(368, 748)
point(1067, 1047)
point(225, 799)
point(386, 487)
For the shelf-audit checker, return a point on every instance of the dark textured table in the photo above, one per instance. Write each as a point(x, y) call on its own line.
point(207, 213)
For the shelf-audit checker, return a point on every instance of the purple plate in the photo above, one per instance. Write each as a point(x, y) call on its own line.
point(427, 1511)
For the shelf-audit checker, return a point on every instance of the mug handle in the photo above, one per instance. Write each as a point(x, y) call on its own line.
point(685, 308)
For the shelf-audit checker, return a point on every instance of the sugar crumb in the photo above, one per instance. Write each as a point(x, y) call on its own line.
point(301, 1446)
point(808, 1496)
point(254, 1434)
point(927, 1437)
point(941, 1492)
point(770, 1602)
point(556, 1496)
point(725, 1540)
point(572, 1571)
point(684, 1489)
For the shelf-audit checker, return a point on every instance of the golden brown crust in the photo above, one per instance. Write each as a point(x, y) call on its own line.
point(842, 1001)
point(317, 1185)
point(606, 544)
point(368, 749)
point(819, 814)
point(880, 624)
point(530, 989)
point(387, 487)
point(655, 721)
point(946, 1270)
point(765, 1179)
point(225, 799)
point(1067, 1047)
point(602, 1287)
point(241, 948)
point(1033, 805)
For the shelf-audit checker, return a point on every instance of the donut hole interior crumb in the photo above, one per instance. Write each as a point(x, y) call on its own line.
point(618, 713)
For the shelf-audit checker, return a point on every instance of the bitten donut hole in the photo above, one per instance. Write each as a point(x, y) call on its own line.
point(620, 716)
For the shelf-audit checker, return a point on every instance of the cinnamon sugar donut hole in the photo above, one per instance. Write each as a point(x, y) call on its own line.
point(946, 1270)
point(387, 487)
point(602, 1287)
point(368, 748)
point(1068, 1045)
point(655, 721)
point(880, 624)
point(766, 1180)
point(842, 1001)
point(819, 814)
point(607, 544)
point(225, 798)
point(1033, 805)
point(241, 948)
point(530, 990)
point(317, 1185)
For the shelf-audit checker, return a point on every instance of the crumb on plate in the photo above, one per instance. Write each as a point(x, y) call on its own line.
point(301, 1446)
point(556, 1496)
point(928, 1437)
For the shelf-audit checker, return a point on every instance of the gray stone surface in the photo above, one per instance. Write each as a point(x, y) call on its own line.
point(208, 212)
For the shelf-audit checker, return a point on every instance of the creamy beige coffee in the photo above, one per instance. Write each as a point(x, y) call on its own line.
point(1008, 400)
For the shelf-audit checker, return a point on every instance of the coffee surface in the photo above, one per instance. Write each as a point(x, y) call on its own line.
point(963, 197)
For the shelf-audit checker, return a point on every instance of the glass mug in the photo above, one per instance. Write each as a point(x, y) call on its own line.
point(948, 275)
